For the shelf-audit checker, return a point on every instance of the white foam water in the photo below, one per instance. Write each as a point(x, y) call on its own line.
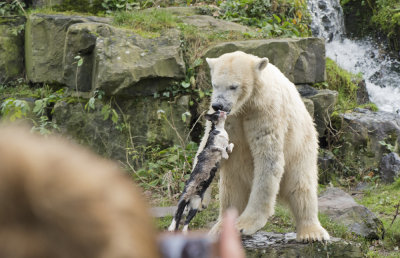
point(381, 74)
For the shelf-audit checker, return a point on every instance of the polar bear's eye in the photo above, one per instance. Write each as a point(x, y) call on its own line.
point(233, 87)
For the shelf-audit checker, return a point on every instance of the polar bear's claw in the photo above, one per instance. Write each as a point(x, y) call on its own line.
point(312, 233)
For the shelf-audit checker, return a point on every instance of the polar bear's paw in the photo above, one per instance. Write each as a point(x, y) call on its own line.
point(312, 233)
point(248, 225)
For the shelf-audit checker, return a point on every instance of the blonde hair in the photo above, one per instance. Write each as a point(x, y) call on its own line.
point(59, 200)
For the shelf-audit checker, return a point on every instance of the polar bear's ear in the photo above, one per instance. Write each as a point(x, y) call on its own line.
point(210, 62)
point(262, 63)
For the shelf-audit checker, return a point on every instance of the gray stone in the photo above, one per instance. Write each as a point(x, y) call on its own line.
point(389, 168)
point(341, 208)
point(306, 90)
point(302, 60)
point(81, 41)
point(11, 48)
point(364, 133)
point(127, 64)
point(362, 93)
point(161, 212)
point(44, 45)
point(274, 245)
point(309, 106)
point(324, 103)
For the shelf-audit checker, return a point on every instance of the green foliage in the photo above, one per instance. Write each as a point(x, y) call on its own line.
point(11, 7)
point(387, 18)
point(274, 18)
point(162, 170)
point(37, 112)
point(14, 109)
point(374, 17)
point(119, 5)
point(82, 6)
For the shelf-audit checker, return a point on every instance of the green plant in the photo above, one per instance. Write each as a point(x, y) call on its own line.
point(120, 5)
point(162, 169)
point(107, 110)
point(273, 17)
point(13, 109)
point(344, 83)
point(12, 7)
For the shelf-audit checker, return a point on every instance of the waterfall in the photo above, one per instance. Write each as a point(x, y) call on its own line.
point(381, 73)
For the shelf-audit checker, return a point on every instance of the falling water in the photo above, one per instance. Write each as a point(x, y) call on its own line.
point(381, 73)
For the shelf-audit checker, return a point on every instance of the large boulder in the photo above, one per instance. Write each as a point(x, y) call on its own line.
point(368, 135)
point(142, 121)
point(341, 208)
point(114, 60)
point(389, 168)
point(274, 245)
point(11, 48)
point(323, 105)
point(302, 60)
point(44, 45)
point(127, 64)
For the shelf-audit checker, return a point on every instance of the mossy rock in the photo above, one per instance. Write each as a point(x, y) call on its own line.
point(11, 48)
point(141, 123)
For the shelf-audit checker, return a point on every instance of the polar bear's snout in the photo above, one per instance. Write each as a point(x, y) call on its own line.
point(220, 103)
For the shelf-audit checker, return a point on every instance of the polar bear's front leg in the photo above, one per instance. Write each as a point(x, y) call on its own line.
point(267, 151)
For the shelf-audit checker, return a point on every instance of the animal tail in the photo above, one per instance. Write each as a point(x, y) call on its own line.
point(178, 215)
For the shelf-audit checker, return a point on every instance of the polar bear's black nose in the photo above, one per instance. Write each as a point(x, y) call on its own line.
point(217, 106)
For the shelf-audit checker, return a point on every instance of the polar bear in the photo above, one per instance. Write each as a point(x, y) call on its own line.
point(276, 145)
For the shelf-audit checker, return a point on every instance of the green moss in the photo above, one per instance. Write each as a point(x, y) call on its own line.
point(148, 23)
point(344, 83)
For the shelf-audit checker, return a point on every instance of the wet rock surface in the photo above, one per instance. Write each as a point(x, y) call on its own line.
point(342, 208)
point(268, 244)
point(389, 168)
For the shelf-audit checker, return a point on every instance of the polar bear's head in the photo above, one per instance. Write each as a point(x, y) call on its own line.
point(233, 78)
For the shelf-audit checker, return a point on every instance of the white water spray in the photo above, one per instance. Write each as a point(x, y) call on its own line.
point(381, 74)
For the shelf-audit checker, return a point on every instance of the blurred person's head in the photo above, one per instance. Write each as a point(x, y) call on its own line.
point(59, 200)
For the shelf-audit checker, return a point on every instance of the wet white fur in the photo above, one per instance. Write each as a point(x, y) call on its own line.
point(276, 146)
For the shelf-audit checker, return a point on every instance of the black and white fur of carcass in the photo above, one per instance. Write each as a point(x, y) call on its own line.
point(216, 148)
